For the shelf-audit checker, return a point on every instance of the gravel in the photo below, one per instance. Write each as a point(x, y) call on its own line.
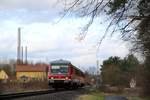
point(65, 95)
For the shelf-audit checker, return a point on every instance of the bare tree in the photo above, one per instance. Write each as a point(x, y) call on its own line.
point(93, 9)
point(123, 15)
point(130, 17)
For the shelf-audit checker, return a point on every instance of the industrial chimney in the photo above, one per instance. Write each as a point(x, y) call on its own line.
point(26, 55)
point(22, 55)
point(19, 46)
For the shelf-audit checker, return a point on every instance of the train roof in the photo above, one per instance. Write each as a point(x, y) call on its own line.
point(61, 61)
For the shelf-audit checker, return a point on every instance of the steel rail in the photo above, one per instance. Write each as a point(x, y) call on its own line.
point(25, 94)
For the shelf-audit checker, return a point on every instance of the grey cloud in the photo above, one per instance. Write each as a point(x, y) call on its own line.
point(27, 4)
point(29, 11)
point(28, 17)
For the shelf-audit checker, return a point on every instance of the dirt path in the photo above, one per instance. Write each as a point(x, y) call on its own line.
point(115, 98)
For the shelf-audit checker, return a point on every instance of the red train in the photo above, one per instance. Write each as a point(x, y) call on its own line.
point(62, 74)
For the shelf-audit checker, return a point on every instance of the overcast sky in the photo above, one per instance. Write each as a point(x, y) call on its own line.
point(47, 40)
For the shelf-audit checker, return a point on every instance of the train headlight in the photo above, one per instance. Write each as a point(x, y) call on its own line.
point(67, 78)
point(52, 77)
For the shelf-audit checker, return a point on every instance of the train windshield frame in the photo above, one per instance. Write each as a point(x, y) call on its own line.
point(59, 69)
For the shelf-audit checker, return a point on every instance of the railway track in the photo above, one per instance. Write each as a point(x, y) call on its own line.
point(25, 94)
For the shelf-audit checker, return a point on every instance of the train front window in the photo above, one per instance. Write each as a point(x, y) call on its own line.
point(59, 69)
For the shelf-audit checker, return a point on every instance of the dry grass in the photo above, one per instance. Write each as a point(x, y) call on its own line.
point(91, 96)
point(137, 98)
point(16, 86)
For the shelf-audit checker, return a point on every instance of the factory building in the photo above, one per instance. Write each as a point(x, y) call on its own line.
point(32, 72)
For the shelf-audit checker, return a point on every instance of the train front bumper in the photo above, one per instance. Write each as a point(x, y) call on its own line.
point(59, 81)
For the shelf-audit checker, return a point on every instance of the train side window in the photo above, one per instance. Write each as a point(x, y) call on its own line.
point(77, 72)
point(71, 70)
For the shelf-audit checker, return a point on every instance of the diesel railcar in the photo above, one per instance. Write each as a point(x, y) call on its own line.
point(62, 74)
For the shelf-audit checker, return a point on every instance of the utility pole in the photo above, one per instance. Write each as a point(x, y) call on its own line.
point(97, 73)
point(97, 76)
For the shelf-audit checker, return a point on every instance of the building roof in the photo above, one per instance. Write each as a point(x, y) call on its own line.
point(31, 68)
point(61, 61)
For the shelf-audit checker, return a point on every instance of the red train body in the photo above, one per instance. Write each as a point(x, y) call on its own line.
point(62, 74)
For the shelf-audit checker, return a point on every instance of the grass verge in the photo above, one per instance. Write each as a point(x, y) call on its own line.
point(91, 96)
point(137, 98)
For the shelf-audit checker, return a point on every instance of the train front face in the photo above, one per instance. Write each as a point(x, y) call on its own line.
point(59, 76)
